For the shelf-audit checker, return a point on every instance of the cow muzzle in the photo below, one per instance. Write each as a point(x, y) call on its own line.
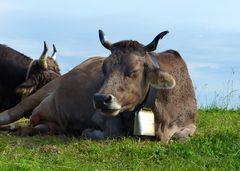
point(107, 103)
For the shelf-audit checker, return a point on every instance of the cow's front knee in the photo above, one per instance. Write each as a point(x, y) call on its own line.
point(111, 127)
point(161, 133)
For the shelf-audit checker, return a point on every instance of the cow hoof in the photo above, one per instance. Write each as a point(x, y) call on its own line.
point(93, 134)
point(183, 134)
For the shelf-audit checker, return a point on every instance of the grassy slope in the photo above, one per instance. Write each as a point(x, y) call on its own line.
point(215, 146)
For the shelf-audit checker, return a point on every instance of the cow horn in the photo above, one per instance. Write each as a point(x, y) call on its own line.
point(107, 44)
point(153, 45)
point(54, 55)
point(43, 57)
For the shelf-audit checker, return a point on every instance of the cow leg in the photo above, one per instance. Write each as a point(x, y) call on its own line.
point(175, 133)
point(185, 132)
point(162, 131)
point(114, 127)
point(42, 128)
point(38, 129)
point(93, 134)
point(10, 127)
point(110, 127)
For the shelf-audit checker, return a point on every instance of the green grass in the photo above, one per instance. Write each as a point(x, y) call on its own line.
point(215, 146)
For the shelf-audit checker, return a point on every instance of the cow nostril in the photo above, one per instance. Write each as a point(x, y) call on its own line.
point(108, 99)
point(103, 99)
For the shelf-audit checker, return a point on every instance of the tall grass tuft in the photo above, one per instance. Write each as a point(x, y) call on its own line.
point(226, 98)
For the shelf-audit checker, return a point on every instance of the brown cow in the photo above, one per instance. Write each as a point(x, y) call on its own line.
point(122, 81)
point(131, 70)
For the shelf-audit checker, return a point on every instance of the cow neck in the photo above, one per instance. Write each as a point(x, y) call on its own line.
point(53, 72)
point(149, 100)
point(27, 76)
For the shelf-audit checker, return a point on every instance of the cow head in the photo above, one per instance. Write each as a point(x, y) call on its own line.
point(129, 72)
point(40, 72)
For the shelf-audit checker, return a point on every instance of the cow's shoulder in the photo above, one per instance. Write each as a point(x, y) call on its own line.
point(170, 59)
point(169, 55)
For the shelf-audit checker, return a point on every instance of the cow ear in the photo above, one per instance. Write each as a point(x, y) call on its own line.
point(160, 79)
point(26, 87)
point(157, 78)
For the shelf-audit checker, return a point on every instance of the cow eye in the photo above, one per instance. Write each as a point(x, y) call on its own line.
point(133, 74)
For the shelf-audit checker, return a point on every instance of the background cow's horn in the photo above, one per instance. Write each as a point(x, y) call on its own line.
point(54, 55)
point(153, 45)
point(107, 44)
point(43, 57)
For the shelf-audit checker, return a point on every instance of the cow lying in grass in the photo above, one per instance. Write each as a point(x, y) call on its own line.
point(21, 76)
point(117, 85)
